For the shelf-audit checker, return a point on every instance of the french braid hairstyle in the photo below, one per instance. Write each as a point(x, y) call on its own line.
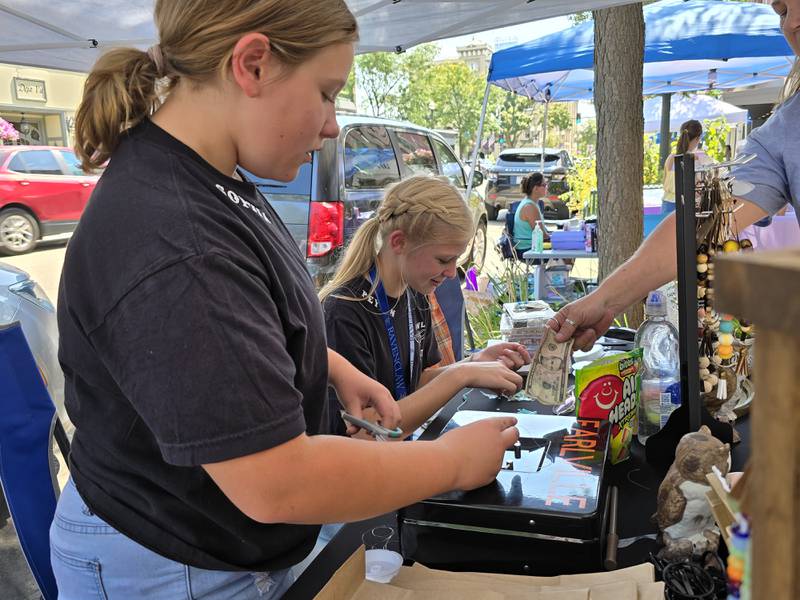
point(426, 209)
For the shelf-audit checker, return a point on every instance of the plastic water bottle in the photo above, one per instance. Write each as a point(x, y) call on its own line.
point(537, 238)
point(661, 366)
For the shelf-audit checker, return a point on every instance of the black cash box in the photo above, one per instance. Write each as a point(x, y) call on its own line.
point(544, 515)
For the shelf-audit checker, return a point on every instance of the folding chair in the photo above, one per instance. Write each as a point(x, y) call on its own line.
point(27, 426)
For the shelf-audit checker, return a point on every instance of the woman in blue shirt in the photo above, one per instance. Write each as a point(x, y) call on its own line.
point(529, 213)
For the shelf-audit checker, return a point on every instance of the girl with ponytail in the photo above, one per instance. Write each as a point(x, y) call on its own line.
point(377, 302)
point(689, 139)
point(191, 337)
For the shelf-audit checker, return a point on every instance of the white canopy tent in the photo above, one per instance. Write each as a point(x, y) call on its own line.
point(71, 34)
point(683, 108)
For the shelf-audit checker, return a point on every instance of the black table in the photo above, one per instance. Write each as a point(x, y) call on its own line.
point(638, 484)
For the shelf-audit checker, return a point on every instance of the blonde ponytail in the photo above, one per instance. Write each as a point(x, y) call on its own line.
point(357, 260)
point(427, 209)
point(196, 41)
point(119, 92)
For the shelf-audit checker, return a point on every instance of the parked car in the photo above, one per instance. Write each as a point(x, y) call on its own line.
point(43, 191)
point(513, 164)
point(343, 186)
point(23, 300)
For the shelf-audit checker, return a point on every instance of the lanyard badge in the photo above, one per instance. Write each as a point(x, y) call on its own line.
point(400, 386)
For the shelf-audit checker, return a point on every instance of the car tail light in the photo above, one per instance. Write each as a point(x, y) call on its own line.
point(325, 228)
point(492, 196)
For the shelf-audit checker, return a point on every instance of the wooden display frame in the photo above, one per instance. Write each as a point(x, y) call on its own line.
point(764, 289)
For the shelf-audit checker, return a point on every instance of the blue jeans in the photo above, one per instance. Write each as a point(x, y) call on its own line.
point(92, 560)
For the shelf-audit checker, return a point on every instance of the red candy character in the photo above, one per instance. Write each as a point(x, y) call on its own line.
point(600, 396)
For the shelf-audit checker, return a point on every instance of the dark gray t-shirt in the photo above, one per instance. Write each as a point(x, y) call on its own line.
point(356, 330)
point(775, 171)
point(190, 333)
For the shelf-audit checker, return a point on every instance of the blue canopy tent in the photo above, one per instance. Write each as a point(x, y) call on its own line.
point(689, 45)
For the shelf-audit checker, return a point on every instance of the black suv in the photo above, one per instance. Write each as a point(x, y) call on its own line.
point(513, 164)
point(343, 186)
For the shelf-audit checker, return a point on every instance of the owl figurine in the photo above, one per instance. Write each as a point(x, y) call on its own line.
point(686, 525)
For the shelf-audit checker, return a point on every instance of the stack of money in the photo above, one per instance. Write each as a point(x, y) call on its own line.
point(525, 323)
point(549, 374)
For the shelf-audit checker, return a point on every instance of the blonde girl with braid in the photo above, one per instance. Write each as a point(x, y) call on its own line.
point(377, 301)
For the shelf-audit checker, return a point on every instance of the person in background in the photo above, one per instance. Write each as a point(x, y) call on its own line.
point(689, 139)
point(377, 313)
point(191, 337)
point(774, 178)
point(528, 213)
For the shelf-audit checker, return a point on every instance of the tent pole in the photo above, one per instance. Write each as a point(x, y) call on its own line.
point(544, 132)
point(478, 138)
point(665, 145)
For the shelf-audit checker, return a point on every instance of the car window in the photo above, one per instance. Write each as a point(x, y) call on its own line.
point(40, 162)
point(369, 160)
point(73, 164)
point(449, 165)
point(299, 186)
point(415, 151)
point(525, 157)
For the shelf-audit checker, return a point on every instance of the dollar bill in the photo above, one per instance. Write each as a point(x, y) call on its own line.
point(549, 374)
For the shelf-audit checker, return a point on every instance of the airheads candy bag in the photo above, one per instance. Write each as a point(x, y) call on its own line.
point(609, 389)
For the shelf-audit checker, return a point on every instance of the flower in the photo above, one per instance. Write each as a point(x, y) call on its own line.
point(7, 131)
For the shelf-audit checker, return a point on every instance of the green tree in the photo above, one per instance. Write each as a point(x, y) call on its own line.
point(716, 138)
point(448, 96)
point(559, 116)
point(652, 160)
point(514, 114)
point(416, 102)
point(379, 79)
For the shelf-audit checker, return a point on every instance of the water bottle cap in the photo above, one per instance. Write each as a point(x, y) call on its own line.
point(656, 305)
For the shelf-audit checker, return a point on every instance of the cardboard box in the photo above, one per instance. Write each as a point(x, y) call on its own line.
point(421, 583)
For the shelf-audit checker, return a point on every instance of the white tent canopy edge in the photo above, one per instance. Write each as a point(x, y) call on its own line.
point(71, 34)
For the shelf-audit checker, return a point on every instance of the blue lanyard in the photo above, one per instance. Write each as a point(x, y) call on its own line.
point(400, 387)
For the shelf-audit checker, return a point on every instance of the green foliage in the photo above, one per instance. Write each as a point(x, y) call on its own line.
point(587, 138)
point(715, 139)
point(652, 162)
point(513, 115)
point(510, 285)
point(449, 96)
point(582, 181)
point(580, 17)
point(559, 117)
point(380, 77)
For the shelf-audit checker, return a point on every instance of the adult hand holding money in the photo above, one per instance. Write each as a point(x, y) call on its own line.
point(549, 374)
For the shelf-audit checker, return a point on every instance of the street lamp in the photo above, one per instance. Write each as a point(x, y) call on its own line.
point(431, 109)
point(24, 126)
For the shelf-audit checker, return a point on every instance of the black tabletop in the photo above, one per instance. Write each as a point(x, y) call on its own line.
point(638, 484)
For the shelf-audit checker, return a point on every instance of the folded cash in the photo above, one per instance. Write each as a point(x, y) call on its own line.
point(549, 374)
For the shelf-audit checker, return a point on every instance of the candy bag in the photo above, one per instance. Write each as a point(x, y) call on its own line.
point(609, 389)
